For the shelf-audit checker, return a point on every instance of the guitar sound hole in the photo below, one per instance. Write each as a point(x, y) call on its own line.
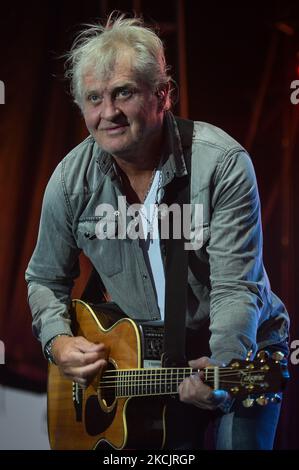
point(106, 393)
point(96, 420)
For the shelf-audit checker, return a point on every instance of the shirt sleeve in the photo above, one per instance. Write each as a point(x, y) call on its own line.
point(235, 254)
point(54, 264)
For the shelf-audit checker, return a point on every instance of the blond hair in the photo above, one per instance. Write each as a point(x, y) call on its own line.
point(98, 47)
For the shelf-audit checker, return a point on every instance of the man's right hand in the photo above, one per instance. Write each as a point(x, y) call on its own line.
point(78, 359)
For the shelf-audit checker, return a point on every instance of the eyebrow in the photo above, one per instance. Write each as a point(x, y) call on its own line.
point(113, 91)
point(125, 85)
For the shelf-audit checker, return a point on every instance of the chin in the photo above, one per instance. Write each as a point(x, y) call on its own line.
point(122, 154)
point(120, 151)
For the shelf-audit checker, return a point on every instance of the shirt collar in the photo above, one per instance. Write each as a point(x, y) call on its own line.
point(174, 162)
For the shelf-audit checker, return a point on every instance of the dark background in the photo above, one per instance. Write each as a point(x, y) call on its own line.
point(240, 58)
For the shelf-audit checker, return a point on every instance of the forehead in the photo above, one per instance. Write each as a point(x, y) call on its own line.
point(122, 71)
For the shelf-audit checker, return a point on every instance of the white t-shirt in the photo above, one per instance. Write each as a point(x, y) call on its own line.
point(151, 242)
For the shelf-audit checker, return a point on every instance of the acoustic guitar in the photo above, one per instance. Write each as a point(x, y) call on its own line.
point(124, 408)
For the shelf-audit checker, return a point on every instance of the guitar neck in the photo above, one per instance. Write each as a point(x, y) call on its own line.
point(157, 381)
point(239, 377)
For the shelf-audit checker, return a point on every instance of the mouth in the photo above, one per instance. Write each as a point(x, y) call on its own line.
point(112, 130)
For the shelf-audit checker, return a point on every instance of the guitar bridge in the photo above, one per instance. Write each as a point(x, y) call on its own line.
point(78, 401)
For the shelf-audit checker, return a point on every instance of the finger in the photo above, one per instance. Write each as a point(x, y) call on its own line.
point(190, 386)
point(96, 347)
point(80, 381)
point(75, 357)
point(200, 363)
point(81, 374)
point(87, 346)
point(90, 369)
point(83, 359)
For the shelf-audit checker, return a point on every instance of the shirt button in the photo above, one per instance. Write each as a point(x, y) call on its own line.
point(144, 276)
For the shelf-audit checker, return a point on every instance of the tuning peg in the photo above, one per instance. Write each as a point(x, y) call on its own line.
point(235, 365)
point(276, 398)
point(249, 387)
point(262, 356)
point(277, 356)
point(249, 355)
point(262, 400)
point(248, 402)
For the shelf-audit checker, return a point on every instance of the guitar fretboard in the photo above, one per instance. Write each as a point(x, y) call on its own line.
point(142, 382)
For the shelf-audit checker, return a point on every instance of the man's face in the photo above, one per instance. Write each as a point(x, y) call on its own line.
point(121, 113)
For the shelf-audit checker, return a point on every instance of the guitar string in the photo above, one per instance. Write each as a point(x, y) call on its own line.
point(182, 372)
point(153, 384)
point(152, 379)
point(182, 369)
point(130, 373)
point(130, 381)
point(111, 380)
point(150, 376)
point(161, 380)
point(167, 371)
point(160, 384)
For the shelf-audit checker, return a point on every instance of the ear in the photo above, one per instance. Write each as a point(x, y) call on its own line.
point(163, 97)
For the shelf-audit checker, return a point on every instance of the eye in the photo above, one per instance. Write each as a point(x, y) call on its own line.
point(124, 93)
point(93, 98)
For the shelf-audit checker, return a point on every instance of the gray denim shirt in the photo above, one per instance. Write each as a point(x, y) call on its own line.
point(227, 280)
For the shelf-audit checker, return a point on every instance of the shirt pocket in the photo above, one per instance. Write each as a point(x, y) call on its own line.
point(103, 252)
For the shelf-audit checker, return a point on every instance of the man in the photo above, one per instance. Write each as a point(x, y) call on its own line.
point(120, 82)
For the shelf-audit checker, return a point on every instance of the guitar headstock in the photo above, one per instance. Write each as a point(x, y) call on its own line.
point(255, 381)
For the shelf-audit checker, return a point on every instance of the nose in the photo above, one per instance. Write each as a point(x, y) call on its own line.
point(108, 109)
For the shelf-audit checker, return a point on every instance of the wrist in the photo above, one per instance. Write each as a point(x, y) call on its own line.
point(48, 348)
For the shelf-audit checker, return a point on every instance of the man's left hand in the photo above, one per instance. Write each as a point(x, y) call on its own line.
point(194, 391)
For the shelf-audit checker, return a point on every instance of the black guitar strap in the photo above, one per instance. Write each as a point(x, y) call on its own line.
point(94, 290)
point(176, 269)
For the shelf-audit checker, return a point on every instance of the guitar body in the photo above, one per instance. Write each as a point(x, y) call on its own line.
point(89, 418)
